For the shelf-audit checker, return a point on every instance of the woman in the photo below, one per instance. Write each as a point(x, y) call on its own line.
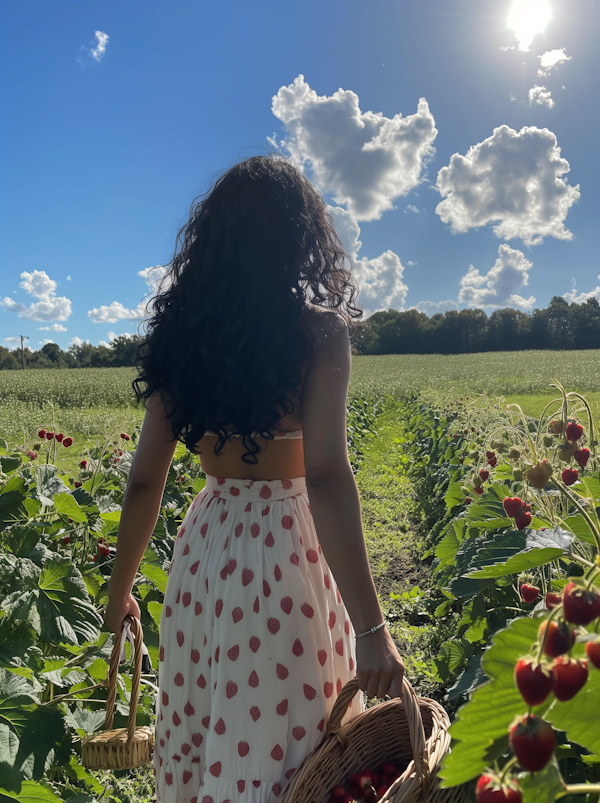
point(247, 361)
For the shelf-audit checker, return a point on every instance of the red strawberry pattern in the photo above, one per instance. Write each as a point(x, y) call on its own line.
point(251, 609)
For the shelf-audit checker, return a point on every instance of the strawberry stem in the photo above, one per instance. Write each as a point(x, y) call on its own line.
point(579, 789)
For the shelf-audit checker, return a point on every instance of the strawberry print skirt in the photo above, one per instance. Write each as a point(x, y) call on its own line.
point(255, 645)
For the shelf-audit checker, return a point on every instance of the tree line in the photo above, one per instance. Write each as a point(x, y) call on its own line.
point(560, 326)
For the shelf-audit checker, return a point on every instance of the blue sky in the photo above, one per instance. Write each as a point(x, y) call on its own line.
point(457, 153)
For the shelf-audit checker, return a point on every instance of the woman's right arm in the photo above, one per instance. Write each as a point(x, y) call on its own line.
point(335, 507)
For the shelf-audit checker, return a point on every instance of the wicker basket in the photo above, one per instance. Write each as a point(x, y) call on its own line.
point(121, 748)
point(410, 729)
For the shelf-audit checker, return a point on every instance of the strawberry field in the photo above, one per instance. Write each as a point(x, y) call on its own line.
point(498, 617)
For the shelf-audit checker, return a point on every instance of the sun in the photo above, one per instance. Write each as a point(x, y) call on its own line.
point(528, 17)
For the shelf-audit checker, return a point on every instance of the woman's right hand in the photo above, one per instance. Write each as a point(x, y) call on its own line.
point(379, 667)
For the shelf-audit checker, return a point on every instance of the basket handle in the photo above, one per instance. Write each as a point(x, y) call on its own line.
point(416, 731)
point(113, 671)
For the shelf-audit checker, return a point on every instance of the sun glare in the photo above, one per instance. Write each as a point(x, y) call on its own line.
point(528, 17)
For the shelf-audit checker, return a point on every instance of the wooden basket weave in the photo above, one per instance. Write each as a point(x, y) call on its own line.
point(121, 748)
point(408, 729)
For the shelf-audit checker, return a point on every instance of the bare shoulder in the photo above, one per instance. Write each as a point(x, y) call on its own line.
point(330, 332)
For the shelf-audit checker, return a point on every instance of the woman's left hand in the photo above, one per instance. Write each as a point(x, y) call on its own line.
point(117, 608)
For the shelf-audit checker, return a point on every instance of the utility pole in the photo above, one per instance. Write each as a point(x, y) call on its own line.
point(23, 338)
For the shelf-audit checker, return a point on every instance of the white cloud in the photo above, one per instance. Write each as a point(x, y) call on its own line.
point(77, 341)
point(412, 208)
point(49, 307)
point(154, 276)
point(12, 342)
point(363, 159)
point(573, 298)
point(431, 308)
point(552, 59)
point(380, 283)
point(112, 336)
point(347, 229)
point(55, 327)
point(528, 18)
point(97, 53)
point(514, 178)
point(69, 279)
point(513, 97)
point(498, 288)
point(46, 340)
point(114, 312)
point(541, 95)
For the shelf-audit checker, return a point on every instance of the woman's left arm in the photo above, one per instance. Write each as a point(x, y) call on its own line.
point(141, 506)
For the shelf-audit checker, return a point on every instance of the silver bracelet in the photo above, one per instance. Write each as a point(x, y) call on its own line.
point(372, 630)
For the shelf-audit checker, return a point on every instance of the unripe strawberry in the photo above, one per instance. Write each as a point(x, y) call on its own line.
point(474, 455)
point(574, 431)
point(569, 476)
point(59, 437)
point(484, 474)
point(523, 520)
point(533, 742)
point(42, 433)
point(68, 442)
point(539, 474)
point(529, 593)
point(556, 427)
point(477, 481)
point(514, 454)
point(558, 640)
point(581, 457)
point(592, 650)
point(37, 447)
point(517, 474)
point(570, 676)
point(553, 600)
point(548, 440)
point(580, 605)
point(512, 505)
point(534, 681)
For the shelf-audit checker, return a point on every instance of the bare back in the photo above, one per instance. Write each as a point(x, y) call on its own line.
point(323, 390)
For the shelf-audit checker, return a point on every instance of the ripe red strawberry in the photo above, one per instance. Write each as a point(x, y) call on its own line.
point(59, 436)
point(125, 436)
point(49, 435)
point(529, 593)
point(592, 649)
point(490, 790)
point(556, 426)
point(558, 640)
point(581, 606)
point(77, 484)
point(32, 455)
point(581, 457)
point(490, 455)
point(533, 742)
point(477, 490)
point(569, 677)
point(553, 600)
point(468, 500)
point(338, 791)
point(523, 520)
point(574, 431)
point(83, 464)
point(68, 442)
point(388, 768)
point(569, 476)
point(492, 461)
point(533, 680)
point(484, 474)
point(381, 789)
point(95, 558)
point(66, 539)
point(513, 506)
point(42, 433)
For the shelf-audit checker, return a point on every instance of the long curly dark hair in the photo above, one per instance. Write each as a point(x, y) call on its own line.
point(227, 333)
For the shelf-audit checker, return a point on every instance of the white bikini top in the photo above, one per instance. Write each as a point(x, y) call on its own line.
point(294, 433)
